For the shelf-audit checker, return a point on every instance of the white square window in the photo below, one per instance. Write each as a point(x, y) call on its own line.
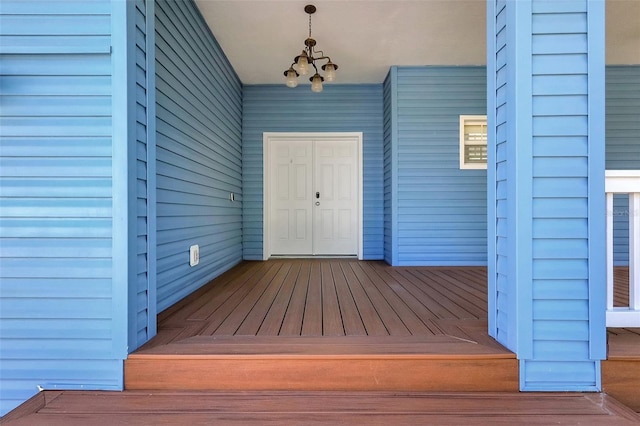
point(473, 141)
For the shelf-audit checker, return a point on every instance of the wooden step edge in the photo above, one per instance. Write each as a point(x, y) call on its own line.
point(633, 358)
point(248, 357)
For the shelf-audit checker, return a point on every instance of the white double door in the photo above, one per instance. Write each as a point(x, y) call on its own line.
point(313, 197)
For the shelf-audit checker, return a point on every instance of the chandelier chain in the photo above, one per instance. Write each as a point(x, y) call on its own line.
point(309, 25)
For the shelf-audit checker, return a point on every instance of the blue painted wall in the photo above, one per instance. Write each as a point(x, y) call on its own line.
point(58, 325)
point(623, 127)
point(199, 161)
point(339, 108)
point(546, 170)
point(438, 211)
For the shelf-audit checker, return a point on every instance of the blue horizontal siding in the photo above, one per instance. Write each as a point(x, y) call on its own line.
point(339, 108)
point(433, 194)
point(504, 330)
point(554, 181)
point(562, 108)
point(198, 142)
point(141, 313)
point(56, 305)
point(390, 190)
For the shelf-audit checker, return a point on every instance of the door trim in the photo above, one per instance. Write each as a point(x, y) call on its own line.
point(266, 138)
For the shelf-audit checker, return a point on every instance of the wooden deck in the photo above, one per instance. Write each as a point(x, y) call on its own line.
point(328, 298)
point(319, 408)
point(346, 325)
point(328, 325)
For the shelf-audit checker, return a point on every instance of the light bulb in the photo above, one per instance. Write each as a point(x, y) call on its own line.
point(303, 64)
point(292, 78)
point(316, 83)
point(330, 72)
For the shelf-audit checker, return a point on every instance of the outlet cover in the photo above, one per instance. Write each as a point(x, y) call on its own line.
point(194, 255)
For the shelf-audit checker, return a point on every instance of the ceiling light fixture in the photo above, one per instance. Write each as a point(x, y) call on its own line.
point(307, 59)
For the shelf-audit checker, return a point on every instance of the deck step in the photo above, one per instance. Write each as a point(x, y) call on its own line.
point(429, 363)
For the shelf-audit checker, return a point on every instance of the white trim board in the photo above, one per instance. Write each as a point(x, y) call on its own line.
point(268, 136)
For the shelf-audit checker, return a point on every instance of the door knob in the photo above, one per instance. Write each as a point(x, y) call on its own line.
point(317, 195)
point(317, 203)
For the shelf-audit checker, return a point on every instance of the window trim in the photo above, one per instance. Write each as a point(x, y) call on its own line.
point(464, 165)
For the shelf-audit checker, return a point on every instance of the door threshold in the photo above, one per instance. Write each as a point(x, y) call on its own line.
point(310, 256)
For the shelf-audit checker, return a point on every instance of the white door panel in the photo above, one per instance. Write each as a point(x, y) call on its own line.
point(336, 175)
point(291, 226)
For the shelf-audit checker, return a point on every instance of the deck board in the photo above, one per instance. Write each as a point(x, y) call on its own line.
point(240, 304)
point(441, 285)
point(292, 322)
point(71, 408)
point(427, 293)
point(274, 318)
point(213, 298)
point(411, 321)
point(312, 320)
point(332, 324)
point(419, 309)
point(258, 312)
point(353, 325)
point(391, 319)
point(372, 322)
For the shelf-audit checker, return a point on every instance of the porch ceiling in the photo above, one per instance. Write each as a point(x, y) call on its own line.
point(365, 38)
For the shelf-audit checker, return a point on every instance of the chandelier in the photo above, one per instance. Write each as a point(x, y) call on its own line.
point(307, 59)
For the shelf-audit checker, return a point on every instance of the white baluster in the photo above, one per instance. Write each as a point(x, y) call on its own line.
point(634, 251)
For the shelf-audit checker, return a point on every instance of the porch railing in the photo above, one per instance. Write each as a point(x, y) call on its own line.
point(624, 182)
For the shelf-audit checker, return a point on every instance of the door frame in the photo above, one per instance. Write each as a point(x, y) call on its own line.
point(269, 136)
